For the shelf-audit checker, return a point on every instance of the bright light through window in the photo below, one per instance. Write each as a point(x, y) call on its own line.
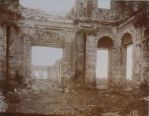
point(46, 56)
point(104, 4)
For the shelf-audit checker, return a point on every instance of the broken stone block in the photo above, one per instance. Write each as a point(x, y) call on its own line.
point(134, 113)
point(3, 105)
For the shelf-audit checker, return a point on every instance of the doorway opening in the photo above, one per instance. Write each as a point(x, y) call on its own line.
point(102, 68)
point(129, 67)
point(104, 45)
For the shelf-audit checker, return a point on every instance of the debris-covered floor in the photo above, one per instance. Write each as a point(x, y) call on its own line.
point(76, 101)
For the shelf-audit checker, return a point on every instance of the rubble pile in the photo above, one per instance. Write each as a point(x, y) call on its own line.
point(76, 100)
point(82, 102)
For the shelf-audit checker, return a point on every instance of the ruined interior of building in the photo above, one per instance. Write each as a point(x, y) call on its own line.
point(99, 59)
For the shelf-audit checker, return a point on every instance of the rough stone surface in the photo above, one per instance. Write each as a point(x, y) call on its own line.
point(78, 36)
point(70, 85)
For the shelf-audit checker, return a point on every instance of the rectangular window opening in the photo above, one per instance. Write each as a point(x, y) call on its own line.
point(43, 59)
point(104, 4)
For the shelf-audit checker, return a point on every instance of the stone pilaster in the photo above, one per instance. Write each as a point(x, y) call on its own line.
point(145, 46)
point(80, 56)
point(115, 72)
point(2, 50)
point(12, 52)
point(120, 73)
point(25, 57)
point(67, 56)
point(29, 58)
point(90, 61)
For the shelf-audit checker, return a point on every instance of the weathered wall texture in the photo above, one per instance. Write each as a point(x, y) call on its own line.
point(2, 52)
point(79, 36)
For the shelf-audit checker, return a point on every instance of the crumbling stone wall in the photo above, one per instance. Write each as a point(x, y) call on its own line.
point(79, 37)
point(85, 9)
point(117, 60)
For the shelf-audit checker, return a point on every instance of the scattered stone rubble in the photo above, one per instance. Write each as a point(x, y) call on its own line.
point(78, 101)
point(3, 105)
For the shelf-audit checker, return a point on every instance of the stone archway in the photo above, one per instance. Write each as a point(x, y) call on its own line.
point(105, 42)
point(126, 42)
point(91, 56)
point(104, 49)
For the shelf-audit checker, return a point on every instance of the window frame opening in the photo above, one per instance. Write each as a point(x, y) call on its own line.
point(39, 69)
point(104, 4)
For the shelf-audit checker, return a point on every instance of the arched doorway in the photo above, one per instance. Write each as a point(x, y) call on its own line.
point(104, 46)
point(127, 58)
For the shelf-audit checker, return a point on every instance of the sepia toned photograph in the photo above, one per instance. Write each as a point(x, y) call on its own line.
point(74, 57)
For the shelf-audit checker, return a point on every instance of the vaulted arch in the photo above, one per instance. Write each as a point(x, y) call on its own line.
point(126, 39)
point(105, 42)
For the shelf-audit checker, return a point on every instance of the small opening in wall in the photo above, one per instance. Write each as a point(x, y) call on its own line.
point(102, 68)
point(129, 68)
point(104, 4)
